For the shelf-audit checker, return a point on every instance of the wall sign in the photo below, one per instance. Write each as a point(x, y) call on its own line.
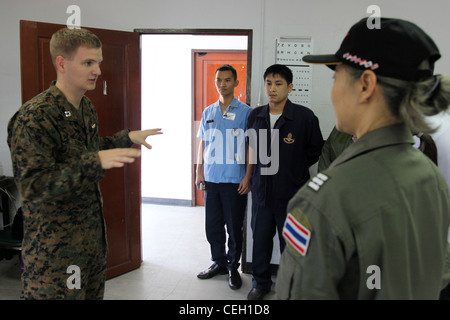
point(290, 52)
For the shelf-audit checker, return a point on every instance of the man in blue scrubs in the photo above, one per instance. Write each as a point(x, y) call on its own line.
point(221, 170)
point(288, 141)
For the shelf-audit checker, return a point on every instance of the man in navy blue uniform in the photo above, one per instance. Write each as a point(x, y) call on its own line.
point(285, 140)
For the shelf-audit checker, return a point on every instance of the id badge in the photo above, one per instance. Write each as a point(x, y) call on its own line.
point(230, 116)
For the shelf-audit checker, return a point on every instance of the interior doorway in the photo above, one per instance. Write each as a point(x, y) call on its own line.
point(168, 103)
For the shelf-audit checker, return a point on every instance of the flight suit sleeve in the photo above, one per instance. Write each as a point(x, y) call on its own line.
point(446, 276)
point(324, 159)
point(315, 144)
point(43, 166)
point(315, 273)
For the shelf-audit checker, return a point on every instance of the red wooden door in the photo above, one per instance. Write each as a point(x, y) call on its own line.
point(205, 66)
point(117, 101)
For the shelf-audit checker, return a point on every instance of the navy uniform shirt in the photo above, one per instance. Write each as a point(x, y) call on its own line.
point(299, 139)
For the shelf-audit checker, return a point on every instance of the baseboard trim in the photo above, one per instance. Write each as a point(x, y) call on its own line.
point(168, 202)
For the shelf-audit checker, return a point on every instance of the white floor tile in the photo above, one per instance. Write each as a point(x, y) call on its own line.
point(174, 251)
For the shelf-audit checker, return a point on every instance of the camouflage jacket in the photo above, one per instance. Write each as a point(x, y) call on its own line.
point(54, 150)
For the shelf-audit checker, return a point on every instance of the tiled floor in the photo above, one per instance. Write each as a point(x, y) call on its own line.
point(174, 250)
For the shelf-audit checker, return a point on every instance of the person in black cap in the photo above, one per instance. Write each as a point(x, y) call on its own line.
point(374, 225)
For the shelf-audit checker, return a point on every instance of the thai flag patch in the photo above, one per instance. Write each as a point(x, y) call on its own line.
point(296, 234)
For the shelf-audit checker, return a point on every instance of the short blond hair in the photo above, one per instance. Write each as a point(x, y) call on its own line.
point(65, 42)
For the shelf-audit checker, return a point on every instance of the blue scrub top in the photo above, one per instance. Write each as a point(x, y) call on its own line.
point(225, 136)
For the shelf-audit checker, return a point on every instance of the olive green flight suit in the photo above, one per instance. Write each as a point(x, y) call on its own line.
point(334, 145)
point(54, 150)
point(377, 221)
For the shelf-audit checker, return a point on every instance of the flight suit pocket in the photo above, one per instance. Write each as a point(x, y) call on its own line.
point(289, 273)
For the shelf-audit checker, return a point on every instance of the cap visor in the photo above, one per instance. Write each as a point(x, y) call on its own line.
point(328, 59)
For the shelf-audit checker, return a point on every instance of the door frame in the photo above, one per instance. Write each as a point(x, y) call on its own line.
point(211, 32)
point(246, 267)
point(214, 32)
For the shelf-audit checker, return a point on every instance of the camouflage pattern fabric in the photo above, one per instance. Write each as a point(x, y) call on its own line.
point(54, 150)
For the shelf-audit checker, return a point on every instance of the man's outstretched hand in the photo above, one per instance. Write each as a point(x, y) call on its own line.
point(117, 158)
point(138, 137)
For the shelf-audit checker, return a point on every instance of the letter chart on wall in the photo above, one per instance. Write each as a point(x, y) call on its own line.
point(290, 52)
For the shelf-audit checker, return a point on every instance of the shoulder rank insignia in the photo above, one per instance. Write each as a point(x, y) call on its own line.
point(317, 181)
point(296, 234)
point(289, 139)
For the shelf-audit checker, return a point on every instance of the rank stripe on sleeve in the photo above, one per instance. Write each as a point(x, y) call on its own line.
point(296, 234)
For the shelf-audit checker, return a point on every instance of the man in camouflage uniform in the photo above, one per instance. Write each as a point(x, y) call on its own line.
point(57, 165)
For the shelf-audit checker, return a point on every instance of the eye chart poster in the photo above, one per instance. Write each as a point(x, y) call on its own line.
point(290, 51)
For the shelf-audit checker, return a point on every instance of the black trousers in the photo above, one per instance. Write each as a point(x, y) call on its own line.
point(224, 206)
point(265, 222)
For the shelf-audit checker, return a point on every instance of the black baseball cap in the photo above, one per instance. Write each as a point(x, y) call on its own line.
point(394, 50)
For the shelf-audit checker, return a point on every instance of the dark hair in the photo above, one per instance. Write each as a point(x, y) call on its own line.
point(227, 67)
point(428, 146)
point(280, 70)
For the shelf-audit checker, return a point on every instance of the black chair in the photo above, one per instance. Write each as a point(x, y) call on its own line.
point(11, 235)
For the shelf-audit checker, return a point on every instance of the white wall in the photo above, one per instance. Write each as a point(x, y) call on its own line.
point(125, 16)
point(326, 21)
